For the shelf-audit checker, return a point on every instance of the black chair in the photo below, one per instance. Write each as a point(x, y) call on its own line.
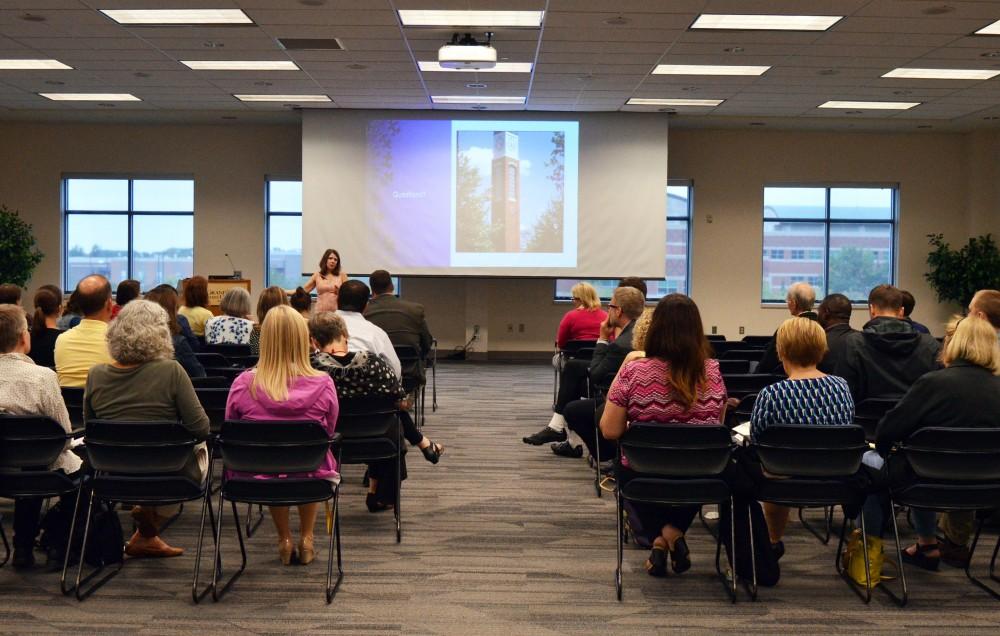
point(868, 413)
point(29, 444)
point(751, 355)
point(758, 342)
point(745, 408)
point(212, 382)
point(715, 338)
point(213, 400)
point(371, 431)
point(956, 469)
point(139, 463)
point(677, 465)
point(73, 398)
point(729, 366)
point(273, 448)
point(230, 351)
point(213, 360)
point(244, 362)
point(720, 348)
point(599, 393)
point(739, 386)
point(573, 350)
point(229, 373)
point(414, 382)
point(817, 466)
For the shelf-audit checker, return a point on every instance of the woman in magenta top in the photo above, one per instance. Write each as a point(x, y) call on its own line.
point(284, 386)
point(676, 382)
point(583, 321)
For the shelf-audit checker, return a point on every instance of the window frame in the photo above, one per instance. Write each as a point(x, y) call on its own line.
point(689, 219)
point(130, 212)
point(828, 222)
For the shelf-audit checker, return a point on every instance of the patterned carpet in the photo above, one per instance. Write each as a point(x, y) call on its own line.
point(499, 538)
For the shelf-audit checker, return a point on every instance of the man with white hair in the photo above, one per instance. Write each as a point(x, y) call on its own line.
point(799, 299)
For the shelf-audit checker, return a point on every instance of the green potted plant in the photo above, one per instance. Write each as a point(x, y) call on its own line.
point(956, 275)
point(18, 252)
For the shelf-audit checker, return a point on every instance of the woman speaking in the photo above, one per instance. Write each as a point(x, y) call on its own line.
point(326, 281)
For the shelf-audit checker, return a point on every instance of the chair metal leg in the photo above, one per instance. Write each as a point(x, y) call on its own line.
point(217, 592)
point(618, 542)
point(252, 525)
point(6, 544)
point(902, 599)
point(728, 585)
point(989, 589)
point(751, 588)
point(866, 596)
point(597, 453)
point(77, 588)
point(206, 507)
point(434, 383)
point(828, 521)
point(399, 491)
point(331, 586)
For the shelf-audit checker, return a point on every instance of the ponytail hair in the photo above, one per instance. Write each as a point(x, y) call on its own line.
point(47, 304)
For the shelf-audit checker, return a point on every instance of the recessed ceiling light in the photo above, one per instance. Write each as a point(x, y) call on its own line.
point(645, 101)
point(941, 73)
point(283, 98)
point(476, 99)
point(989, 29)
point(766, 22)
point(501, 67)
point(708, 69)
point(240, 65)
point(177, 16)
point(33, 65)
point(844, 105)
point(532, 19)
point(91, 97)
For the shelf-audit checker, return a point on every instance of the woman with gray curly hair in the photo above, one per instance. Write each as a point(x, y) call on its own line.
point(145, 383)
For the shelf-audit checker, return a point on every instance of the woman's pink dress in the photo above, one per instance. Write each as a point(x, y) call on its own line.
point(326, 293)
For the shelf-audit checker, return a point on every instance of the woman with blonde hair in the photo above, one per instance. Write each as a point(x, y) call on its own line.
point(583, 321)
point(284, 386)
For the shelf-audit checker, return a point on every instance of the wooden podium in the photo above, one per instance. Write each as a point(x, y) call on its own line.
point(217, 287)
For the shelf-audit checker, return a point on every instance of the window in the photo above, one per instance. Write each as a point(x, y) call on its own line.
point(120, 227)
point(839, 239)
point(676, 271)
point(283, 200)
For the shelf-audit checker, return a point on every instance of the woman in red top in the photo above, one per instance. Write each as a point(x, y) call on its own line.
point(583, 321)
point(676, 382)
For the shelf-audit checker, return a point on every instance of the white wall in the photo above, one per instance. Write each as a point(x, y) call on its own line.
point(948, 183)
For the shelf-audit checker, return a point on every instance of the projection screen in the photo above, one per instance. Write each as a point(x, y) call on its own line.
point(448, 193)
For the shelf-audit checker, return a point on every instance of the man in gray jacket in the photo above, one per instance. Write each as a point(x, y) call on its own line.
point(404, 321)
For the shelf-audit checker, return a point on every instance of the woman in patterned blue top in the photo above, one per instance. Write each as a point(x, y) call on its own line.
point(233, 327)
point(808, 397)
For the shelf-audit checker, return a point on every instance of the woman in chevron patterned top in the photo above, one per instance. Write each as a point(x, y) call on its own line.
point(677, 381)
point(808, 397)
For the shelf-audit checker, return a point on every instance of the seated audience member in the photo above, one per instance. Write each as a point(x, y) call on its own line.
point(234, 325)
point(675, 382)
point(128, 290)
point(301, 301)
point(10, 294)
point(166, 297)
point(986, 305)
point(636, 283)
point(268, 300)
point(364, 375)
point(364, 335)
point(283, 386)
point(835, 318)
point(83, 346)
point(71, 315)
point(909, 302)
point(182, 322)
point(43, 327)
point(145, 383)
point(194, 292)
point(403, 321)
point(887, 356)
point(808, 397)
point(626, 306)
point(799, 299)
point(583, 321)
point(964, 394)
point(29, 389)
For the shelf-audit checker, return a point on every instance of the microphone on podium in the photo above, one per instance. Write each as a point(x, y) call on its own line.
point(236, 273)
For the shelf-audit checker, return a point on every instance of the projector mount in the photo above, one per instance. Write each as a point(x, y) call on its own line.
point(468, 40)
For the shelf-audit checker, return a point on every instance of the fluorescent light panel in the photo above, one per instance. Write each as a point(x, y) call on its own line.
point(240, 65)
point(501, 67)
point(708, 69)
point(33, 65)
point(529, 19)
point(766, 22)
point(476, 99)
point(91, 97)
point(645, 101)
point(990, 29)
point(285, 99)
point(177, 16)
point(942, 73)
point(869, 105)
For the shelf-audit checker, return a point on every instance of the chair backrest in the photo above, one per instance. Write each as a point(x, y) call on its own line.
point(741, 385)
point(212, 359)
point(752, 355)
point(745, 408)
point(677, 450)
point(811, 451)
point(407, 353)
point(30, 441)
point(229, 350)
point(73, 398)
point(579, 348)
point(954, 454)
point(719, 348)
point(756, 341)
point(212, 381)
point(229, 373)
point(367, 418)
point(731, 367)
point(139, 448)
point(273, 447)
point(213, 400)
point(715, 337)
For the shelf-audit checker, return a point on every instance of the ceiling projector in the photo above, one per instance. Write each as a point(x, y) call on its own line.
point(468, 54)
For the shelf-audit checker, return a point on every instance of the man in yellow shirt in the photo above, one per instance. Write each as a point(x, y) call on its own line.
point(85, 345)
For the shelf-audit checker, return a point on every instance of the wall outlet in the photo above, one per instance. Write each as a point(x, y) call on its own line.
point(715, 329)
point(520, 328)
point(742, 330)
point(510, 327)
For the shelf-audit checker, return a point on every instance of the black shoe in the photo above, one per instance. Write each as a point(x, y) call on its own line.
point(374, 505)
point(920, 559)
point(23, 558)
point(545, 436)
point(433, 452)
point(565, 449)
point(680, 556)
point(656, 564)
point(778, 549)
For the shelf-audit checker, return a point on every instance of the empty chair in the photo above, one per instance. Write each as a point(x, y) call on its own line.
point(73, 397)
point(413, 379)
point(867, 413)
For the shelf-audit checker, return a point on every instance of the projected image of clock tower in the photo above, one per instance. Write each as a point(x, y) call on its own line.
point(506, 204)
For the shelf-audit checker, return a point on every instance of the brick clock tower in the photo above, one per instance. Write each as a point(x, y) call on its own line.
point(506, 208)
